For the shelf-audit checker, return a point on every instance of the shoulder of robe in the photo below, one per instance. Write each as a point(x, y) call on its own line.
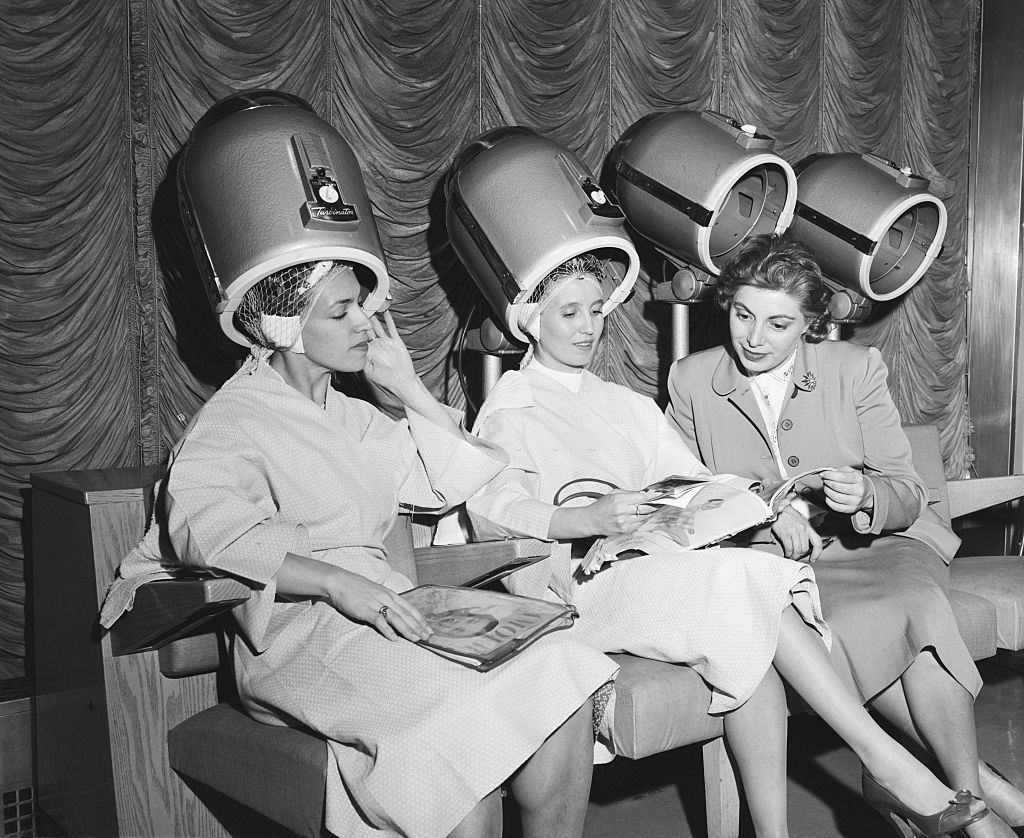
point(623, 393)
point(512, 392)
point(241, 405)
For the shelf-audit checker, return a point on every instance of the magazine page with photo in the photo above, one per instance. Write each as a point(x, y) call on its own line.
point(482, 629)
point(695, 512)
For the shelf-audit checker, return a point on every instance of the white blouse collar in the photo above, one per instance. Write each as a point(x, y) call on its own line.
point(570, 380)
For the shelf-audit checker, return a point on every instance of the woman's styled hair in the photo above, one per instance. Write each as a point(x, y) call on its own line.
point(777, 262)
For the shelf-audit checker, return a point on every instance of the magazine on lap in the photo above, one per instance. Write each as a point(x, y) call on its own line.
point(695, 512)
point(482, 629)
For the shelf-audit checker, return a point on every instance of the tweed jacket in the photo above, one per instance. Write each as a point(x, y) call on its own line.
point(839, 413)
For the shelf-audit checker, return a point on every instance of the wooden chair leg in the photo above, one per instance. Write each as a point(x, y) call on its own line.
point(721, 795)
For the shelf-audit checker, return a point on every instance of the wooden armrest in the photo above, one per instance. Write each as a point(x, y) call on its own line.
point(457, 564)
point(967, 496)
point(167, 609)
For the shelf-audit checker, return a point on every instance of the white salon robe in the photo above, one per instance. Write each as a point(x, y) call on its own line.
point(415, 740)
point(716, 609)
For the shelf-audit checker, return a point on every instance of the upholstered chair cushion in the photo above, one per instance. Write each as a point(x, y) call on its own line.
point(277, 771)
point(658, 706)
point(976, 621)
point(999, 579)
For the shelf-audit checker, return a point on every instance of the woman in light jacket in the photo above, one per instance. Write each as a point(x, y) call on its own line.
point(777, 401)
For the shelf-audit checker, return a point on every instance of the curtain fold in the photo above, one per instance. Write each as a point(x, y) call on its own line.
point(199, 53)
point(406, 96)
point(69, 386)
point(108, 347)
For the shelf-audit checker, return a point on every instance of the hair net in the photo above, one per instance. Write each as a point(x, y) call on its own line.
point(586, 268)
point(273, 312)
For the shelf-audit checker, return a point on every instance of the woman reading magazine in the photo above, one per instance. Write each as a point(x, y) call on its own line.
point(760, 406)
point(740, 617)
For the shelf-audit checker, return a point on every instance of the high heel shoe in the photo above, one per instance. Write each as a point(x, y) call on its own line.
point(905, 820)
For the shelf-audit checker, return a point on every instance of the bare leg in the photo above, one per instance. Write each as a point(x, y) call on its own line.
point(938, 713)
point(802, 660)
point(484, 821)
point(1003, 798)
point(756, 733)
point(891, 703)
point(553, 786)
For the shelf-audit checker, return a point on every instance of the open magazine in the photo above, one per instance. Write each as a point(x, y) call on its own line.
point(482, 629)
point(695, 512)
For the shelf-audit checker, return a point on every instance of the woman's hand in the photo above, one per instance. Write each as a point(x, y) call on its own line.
point(798, 538)
point(388, 363)
point(673, 521)
point(617, 512)
point(847, 490)
point(360, 599)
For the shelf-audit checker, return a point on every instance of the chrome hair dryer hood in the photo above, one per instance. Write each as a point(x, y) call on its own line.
point(873, 226)
point(520, 205)
point(264, 184)
point(698, 183)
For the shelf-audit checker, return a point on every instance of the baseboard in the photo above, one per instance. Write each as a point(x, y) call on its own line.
point(17, 795)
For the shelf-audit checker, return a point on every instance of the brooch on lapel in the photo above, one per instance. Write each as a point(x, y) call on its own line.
point(808, 382)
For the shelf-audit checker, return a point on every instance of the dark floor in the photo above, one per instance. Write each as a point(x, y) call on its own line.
point(663, 796)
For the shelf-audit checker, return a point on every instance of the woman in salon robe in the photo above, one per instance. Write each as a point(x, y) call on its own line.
point(290, 486)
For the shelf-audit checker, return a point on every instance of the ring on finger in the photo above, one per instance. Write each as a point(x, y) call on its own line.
point(383, 611)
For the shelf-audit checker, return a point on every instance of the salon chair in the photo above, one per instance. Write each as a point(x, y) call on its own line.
point(138, 730)
point(987, 592)
point(661, 706)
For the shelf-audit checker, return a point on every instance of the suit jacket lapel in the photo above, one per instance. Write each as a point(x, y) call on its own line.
point(730, 384)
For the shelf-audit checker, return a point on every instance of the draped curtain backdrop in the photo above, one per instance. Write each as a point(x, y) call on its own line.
point(107, 345)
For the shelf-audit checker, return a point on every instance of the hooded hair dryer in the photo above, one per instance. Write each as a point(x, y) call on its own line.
point(519, 206)
point(874, 228)
point(696, 184)
point(265, 185)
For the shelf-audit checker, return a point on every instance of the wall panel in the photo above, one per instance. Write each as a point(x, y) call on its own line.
point(997, 265)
